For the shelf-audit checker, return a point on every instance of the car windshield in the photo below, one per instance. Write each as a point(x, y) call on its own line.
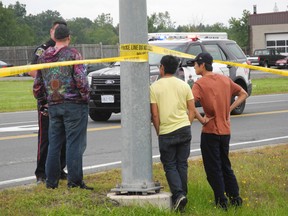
point(154, 58)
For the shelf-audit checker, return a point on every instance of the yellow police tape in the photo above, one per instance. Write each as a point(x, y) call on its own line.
point(11, 71)
point(128, 53)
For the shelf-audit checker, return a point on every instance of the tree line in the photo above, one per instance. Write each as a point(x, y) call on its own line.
point(20, 29)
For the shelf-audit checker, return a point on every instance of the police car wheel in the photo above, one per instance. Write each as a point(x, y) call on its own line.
point(99, 115)
point(238, 110)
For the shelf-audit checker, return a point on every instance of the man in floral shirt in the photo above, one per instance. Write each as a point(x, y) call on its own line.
point(65, 90)
point(43, 118)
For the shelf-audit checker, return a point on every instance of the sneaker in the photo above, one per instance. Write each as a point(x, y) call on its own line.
point(84, 186)
point(236, 201)
point(50, 187)
point(81, 186)
point(40, 180)
point(180, 203)
point(223, 205)
point(63, 175)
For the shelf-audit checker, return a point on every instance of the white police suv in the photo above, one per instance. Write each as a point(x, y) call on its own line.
point(106, 82)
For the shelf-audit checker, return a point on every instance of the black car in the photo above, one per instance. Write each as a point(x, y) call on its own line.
point(94, 67)
point(105, 91)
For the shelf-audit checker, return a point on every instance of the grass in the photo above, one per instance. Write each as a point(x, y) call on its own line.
point(270, 86)
point(262, 176)
point(17, 95)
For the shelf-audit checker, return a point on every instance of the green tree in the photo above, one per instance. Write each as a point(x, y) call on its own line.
point(103, 20)
point(160, 22)
point(104, 36)
point(80, 28)
point(19, 10)
point(151, 21)
point(238, 29)
point(19, 29)
point(42, 23)
point(187, 28)
point(217, 27)
point(13, 32)
point(103, 30)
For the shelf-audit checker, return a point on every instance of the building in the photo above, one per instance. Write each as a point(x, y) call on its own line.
point(268, 30)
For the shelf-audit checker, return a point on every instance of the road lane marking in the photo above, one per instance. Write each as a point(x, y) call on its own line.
point(20, 128)
point(104, 128)
point(33, 135)
point(119, 126)
point(13, 123)
point(18, 137)
point(260, 113)
point(278, 101)
point(106, 165)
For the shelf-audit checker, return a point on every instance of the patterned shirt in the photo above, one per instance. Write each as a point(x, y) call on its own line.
point(61, 84)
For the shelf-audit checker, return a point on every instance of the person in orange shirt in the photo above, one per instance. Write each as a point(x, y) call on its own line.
point(214, 92)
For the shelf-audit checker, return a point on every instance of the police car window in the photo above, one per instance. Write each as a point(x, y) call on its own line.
point(236, 50)
point(193, 50)
point(215, 52)
point(154, 58)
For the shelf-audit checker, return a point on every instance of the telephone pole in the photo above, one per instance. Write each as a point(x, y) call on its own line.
point(135, 105)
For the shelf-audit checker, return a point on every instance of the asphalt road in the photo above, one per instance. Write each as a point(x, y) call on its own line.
point(264, 122)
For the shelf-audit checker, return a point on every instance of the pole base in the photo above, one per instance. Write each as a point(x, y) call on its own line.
point(161, 200)
point(141, 190)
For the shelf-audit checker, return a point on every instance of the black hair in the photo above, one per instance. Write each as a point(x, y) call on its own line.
point(63, 22)
point(61, 32)
point(208, 67)
point(170, 64)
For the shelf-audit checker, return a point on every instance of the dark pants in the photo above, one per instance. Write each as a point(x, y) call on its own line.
point(215, 153)
point(174, 152)
point(43, 143)
point(68, 123)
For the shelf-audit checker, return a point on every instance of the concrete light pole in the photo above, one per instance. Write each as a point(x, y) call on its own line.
point(135, 105)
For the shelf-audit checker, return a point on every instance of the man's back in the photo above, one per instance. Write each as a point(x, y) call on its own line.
point(65, 83)
point(214, 93)
point(171, 95)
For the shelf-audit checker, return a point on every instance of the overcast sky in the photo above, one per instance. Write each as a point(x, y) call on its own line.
point(182, 12)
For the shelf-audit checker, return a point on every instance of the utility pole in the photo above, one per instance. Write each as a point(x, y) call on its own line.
point(135, 105)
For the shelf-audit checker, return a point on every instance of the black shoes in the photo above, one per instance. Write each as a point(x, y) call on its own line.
point(72, 185)
point(81, 186)
point(180, 203)
point(50, 187)
point(40, 180)
point(63, 175)
point(223, 205)
point(84, 186)
point(236, 201)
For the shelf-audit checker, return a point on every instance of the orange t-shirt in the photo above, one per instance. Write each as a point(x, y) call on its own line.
point(214, 92)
